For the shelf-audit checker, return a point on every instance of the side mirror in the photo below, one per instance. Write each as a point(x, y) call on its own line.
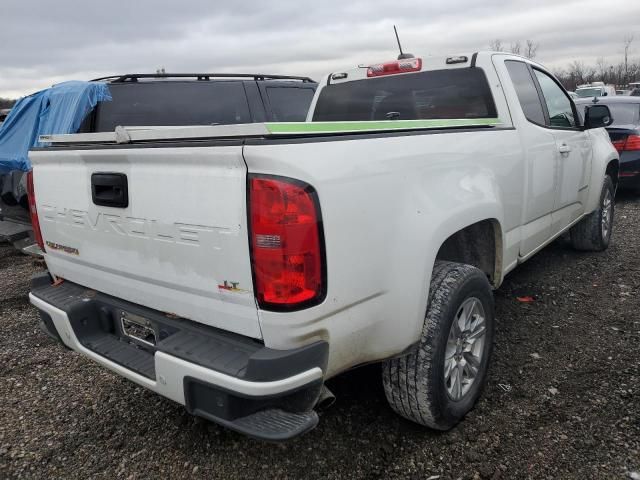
point(604, 94)
point(597, 116)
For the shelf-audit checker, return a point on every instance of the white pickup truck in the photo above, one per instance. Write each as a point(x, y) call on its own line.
point(235, 268)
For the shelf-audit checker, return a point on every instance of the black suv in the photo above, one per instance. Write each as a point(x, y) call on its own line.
point(200, 99)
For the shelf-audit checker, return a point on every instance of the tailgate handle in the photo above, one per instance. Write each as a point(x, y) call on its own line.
point(110, 189)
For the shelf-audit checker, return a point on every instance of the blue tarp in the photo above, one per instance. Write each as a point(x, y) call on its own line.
point(59, 109)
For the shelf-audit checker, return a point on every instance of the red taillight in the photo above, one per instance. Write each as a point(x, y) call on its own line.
point(33, 212)
point(286, 243)
point(398, 66)
point(631, 143)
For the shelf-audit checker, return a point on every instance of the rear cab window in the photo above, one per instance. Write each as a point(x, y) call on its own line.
point(436, 94)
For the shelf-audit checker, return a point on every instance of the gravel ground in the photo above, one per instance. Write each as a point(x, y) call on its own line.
point(563, 399)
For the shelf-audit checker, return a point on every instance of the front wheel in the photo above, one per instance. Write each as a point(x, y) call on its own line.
point(438, 383)
point(593, 233)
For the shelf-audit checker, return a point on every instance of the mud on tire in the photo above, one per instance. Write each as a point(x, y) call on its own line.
point(415, 384)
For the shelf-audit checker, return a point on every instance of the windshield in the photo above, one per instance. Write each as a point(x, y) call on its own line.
point(437, 94)
point(589, 92)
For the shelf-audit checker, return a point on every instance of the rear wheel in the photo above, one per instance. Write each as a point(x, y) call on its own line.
point(593, 233)
point(440, 382)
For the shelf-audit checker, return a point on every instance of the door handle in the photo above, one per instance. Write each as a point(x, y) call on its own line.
point(564, 148)
point(110, 190)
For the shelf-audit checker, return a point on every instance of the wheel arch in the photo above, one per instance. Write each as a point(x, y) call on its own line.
point(479, 244)
point(613, 170)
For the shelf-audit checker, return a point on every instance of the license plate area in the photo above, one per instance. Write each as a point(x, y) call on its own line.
point(137, 328)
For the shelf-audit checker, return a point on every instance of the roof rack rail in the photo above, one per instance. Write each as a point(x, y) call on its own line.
point(133, 77)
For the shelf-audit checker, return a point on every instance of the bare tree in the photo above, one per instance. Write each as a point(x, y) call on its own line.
point(531, 49)
point(576, 72)
point(496, 45)
point(516, 47)
point(7, 102)
point(627, 45)
point(603, 69)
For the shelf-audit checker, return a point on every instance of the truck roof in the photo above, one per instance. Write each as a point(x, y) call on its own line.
point(428, 62)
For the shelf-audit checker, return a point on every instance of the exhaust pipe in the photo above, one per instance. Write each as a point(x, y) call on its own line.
point(326, 399)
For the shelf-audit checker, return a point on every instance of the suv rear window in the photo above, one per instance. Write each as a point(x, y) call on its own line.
point(173, 103)
point(451, 93)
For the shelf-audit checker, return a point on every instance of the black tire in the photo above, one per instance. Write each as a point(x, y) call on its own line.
point(415, 383)
point(589, 235)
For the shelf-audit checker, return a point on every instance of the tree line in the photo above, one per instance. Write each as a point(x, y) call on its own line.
point(6, 102)
point(577, 72)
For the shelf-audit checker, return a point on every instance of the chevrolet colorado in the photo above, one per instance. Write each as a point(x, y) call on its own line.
point(235, 268)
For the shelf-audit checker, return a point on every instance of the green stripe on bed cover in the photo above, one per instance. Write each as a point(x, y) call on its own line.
point(289, 128)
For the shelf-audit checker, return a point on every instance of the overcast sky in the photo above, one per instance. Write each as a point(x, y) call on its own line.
point(44, 42)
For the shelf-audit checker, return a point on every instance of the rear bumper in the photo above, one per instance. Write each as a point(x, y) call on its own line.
point(629, 176)
point(228, 379)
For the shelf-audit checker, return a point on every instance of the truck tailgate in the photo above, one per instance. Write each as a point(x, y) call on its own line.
point(180, 244)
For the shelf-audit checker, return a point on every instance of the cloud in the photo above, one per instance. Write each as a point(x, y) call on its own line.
point(43, 42)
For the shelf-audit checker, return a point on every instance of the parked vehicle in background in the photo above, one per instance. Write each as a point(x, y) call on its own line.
point(15, 223)
point(635, 92)
point(623, 92)
point(595, 89)
point(624, 133)
point(169, 100)
point(235, 268)
point(200, 99)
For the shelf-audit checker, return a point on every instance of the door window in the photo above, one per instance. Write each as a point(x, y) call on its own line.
point(558, 103)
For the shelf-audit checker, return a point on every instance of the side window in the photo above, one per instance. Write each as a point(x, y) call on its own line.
point(526, 90)
point(558, 103)
point(290, 104)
